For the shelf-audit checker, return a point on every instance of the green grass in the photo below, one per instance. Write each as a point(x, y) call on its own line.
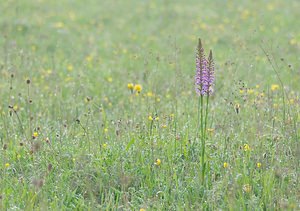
point(96, 148)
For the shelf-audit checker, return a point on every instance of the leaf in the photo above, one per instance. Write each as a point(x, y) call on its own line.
point(130, 144)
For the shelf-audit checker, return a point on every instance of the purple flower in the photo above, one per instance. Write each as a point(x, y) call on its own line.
point(204, 78)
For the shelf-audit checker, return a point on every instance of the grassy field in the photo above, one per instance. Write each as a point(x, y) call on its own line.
point(75, 135)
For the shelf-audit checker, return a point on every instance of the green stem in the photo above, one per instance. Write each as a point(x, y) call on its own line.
point(201, 116)
point(198, 120)
point(206, 114)
point(204, 139)
point(151, 140)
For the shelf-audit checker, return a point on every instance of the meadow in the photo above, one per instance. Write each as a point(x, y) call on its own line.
point(99, 109)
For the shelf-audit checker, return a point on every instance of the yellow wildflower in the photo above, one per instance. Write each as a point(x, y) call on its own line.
point(157, 162)
point(15, 108)
point(33, 47)
point(35, 134)
point(225, 165)
point(59, 25)
point(258, 165)
point(250, 91)
point(137, 88)
point(109, 79)
point(149, 94)
point(106, 99)
point(164, 126)
point(153, 118)
point(293, 41)
point(89, 58)
point(70, 68)
point(142, 209)
point(130, 86)
point(246, 147)
point(274, 87)
point(7, 165)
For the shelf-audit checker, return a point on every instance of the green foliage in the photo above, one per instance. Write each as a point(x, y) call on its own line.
point(74, 136)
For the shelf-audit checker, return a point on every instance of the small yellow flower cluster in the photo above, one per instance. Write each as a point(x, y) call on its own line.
point(134, 87)
point(254, 91)
point(225, 165)
point(250, 91)
point(150, 118)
